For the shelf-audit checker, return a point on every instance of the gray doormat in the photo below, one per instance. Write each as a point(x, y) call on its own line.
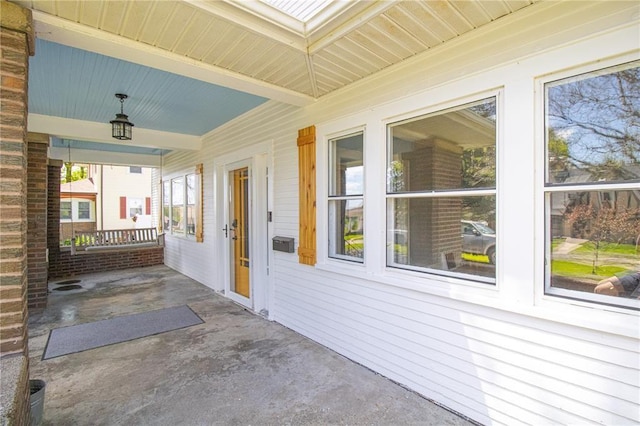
point(82, 337)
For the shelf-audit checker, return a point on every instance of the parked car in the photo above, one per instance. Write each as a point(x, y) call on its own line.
point(478, 238)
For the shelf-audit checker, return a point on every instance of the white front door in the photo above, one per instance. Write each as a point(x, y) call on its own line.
point(242, 213)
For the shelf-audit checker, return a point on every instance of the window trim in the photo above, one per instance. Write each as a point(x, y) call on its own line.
point(75, 217)
point(323, 137)
point(545, 294)
point(432, 111)
point(168, 180)
point(345, 197)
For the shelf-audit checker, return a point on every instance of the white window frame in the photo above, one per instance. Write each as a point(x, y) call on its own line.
point(432, 112)
point(336, 198)
point(555, 294)
point(131, 204)
point(75, 210)
point(170, 179)
point(325, 133)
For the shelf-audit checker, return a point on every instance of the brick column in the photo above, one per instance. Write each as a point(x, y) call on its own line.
point(16, 45)
point(37, 171)
point(436, 165)
point(53, 210)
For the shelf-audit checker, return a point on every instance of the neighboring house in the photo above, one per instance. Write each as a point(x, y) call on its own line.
point(77, 208)
point(125, 193)
point(109, 199)
point(562, 201)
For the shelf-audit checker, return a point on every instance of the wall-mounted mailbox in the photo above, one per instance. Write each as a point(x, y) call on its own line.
point(285, 244)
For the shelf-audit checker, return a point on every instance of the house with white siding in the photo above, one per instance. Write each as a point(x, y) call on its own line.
point(334, 205)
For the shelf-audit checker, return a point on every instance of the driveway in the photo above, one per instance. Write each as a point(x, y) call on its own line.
point(236, 368)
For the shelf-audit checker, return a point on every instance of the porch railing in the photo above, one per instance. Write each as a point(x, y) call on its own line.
point(115, 238)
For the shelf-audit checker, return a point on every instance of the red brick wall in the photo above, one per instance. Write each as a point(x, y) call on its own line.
point(62, 264)
point(37, 221)
point(435, 221)
point(67, 229)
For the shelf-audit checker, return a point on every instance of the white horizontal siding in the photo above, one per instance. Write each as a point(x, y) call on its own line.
point(493, 364)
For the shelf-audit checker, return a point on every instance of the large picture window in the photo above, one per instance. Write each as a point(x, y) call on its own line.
point(441, 192)
point(592, 192)
point(346, 202)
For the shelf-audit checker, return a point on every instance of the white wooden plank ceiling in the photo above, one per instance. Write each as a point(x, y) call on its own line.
point(346, 42)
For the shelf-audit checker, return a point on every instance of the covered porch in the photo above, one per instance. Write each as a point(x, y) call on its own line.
point(235, 368)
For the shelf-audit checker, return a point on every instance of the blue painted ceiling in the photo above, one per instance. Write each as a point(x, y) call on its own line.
point(72, 83)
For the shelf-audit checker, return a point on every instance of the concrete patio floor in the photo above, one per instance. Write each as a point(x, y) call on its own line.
point(236, 368)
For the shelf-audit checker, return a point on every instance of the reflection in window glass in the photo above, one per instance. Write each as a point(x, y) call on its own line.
point(593, 131)
point(593, 136)
point(443, 233)
point(84, 210)
point(447, 161)
point(191, 204)
point(65, 210)
point(166, 203)
point(177, 205)
point(346, 202)
point(593, 236)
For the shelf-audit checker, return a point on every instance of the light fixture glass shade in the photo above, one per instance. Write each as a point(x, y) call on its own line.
point(121, 127)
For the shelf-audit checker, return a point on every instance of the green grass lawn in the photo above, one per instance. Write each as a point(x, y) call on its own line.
point(607, 248)
point(573, 269)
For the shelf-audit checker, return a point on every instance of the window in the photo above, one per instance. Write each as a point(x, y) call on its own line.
point(192, 180)
point(134, 206)
point(65, 210)
point(177, 206)
point(182, 206)
point(441, 192)
point(166, 205)
point(592, 196)
point(346, 202)
point(84, 210)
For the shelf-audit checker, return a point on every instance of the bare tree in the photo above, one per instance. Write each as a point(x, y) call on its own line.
point(599, 118)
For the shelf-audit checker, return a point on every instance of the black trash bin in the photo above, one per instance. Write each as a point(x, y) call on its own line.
point(36, 388)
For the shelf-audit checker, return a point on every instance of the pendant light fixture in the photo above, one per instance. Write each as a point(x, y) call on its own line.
point(121, 126)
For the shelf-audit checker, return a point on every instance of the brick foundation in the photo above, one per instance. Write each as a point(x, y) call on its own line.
point(62, 264)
